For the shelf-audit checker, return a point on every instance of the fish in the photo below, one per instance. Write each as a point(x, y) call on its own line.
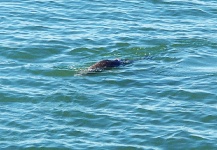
point(108, 64)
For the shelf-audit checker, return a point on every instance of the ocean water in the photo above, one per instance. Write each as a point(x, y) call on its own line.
point(168, 100)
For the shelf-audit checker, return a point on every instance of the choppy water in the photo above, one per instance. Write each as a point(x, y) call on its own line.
point(166, 102)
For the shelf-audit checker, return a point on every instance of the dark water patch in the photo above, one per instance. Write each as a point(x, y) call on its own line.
point(29, 54)
point(187, 12)
point(89, 52)
point(122, 44)
point(20, 89)
point(210, 119)
point(193, 42)
point(54, 70)
point(187, 95)
point(57, 72)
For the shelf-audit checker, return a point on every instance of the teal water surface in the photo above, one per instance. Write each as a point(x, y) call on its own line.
point(165, 101)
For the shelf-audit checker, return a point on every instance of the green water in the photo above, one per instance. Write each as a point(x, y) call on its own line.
point(166, 101)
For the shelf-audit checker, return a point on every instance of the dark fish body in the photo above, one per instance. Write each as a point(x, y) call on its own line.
point(107, 64)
